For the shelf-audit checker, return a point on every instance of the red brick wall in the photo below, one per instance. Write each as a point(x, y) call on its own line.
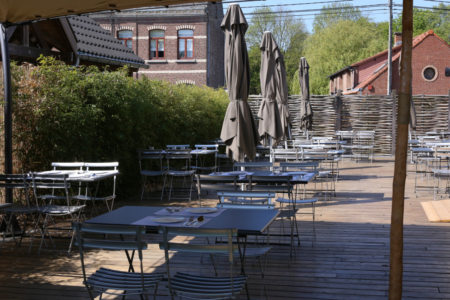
point(431, 51)
point(172, 70)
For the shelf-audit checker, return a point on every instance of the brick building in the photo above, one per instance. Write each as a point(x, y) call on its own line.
point(181, 43)
point(430, 58)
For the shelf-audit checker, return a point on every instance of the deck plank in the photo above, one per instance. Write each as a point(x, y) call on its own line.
point(348, 260)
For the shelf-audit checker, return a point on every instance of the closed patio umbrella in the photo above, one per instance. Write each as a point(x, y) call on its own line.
point(270, 122)
point(306, 113)
point(239, 131)
point(282, 96)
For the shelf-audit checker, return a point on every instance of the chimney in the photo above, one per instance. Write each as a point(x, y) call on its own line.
point(397, 38)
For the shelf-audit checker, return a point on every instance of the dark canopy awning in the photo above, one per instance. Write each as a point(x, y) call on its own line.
point(14, 11)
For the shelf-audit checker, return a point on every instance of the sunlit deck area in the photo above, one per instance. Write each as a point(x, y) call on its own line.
point(348, 260)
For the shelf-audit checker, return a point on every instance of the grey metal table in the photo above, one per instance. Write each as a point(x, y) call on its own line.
point(246, 221)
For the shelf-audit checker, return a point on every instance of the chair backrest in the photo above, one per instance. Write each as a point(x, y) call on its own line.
point(177, 147)
point(208, 147)
point(286, 154)
point(16, 181)
point(300, 166)
point(230, 248)
point(278, 184)
point(246, 206)
point(72, 165)
point(102, 231)
point(103, 165)
point(144, 154)
point(312, 154)
point(246, 194)
point(50, 181)
point(216, 182)
point(258, 164)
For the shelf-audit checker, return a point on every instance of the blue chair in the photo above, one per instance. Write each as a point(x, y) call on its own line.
point(107, 281)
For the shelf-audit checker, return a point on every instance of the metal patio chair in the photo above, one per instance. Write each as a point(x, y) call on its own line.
point(253, 166)
point(50, 211)
point(216, 183)
point(108, 281)
point(62, 166)
point(198, 286)
point(88, 196)
point(254, 253)
point(199, 159)
point(147, 155)
point(17, 210)
point(186, 175)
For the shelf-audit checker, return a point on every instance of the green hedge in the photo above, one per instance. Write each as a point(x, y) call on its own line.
point(62, 113)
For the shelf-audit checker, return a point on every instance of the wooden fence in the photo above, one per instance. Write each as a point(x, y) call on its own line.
point(358, 112)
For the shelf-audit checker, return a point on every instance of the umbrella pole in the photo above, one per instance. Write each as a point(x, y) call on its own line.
point(7, 106)
point(398, 189)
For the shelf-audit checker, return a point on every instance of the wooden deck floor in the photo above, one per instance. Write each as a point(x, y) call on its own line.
point(349, 260)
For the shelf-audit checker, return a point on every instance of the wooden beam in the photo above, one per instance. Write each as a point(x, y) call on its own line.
point(398, 188)
point(69, 34)
point(31, 52)
point(40, 36)
point(25, 35)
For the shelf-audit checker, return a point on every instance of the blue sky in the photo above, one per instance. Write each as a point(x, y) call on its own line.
point(374, 13)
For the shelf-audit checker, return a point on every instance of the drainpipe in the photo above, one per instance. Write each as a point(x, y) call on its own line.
point(137, 44)
point(77, 62)
point(209, 41)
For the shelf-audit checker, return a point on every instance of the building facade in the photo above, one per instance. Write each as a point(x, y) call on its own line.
point(430, 58)
point(182, 44)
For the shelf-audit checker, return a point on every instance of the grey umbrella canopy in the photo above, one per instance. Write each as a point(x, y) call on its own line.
point(412, 110)
point(270, 122)
point(239, 131)
point(306, 113)
point(282, 96)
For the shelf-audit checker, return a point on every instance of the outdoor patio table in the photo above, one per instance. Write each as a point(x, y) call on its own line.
point(84, 177)
point(246, 221)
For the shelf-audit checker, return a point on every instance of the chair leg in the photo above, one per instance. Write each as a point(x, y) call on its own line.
point(164, 185)
point(143, 187)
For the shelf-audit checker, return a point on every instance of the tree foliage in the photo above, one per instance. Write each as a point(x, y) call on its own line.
point(334, 13)
point(289, 32)
point(63, 113)
point(437, 20)
point(332, 48)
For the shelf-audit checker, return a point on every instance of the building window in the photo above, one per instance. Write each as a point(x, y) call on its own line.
point(429, 73)
point(126, 38)
point(157, 44)
point(185, 43)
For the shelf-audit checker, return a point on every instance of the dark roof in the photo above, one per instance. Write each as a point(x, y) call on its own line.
point(94, 42)
point(336, 73)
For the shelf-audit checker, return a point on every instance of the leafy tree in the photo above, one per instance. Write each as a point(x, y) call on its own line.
point(334, 13)
point(332, 48)
point(289, 32)
point(254, 56)
point(424, 19)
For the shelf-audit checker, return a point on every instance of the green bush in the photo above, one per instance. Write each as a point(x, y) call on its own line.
point(62, 113)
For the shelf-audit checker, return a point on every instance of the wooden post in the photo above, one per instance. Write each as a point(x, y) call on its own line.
point(339, 109)
point(394, 119)
point(398, 188)
point(448, 107)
